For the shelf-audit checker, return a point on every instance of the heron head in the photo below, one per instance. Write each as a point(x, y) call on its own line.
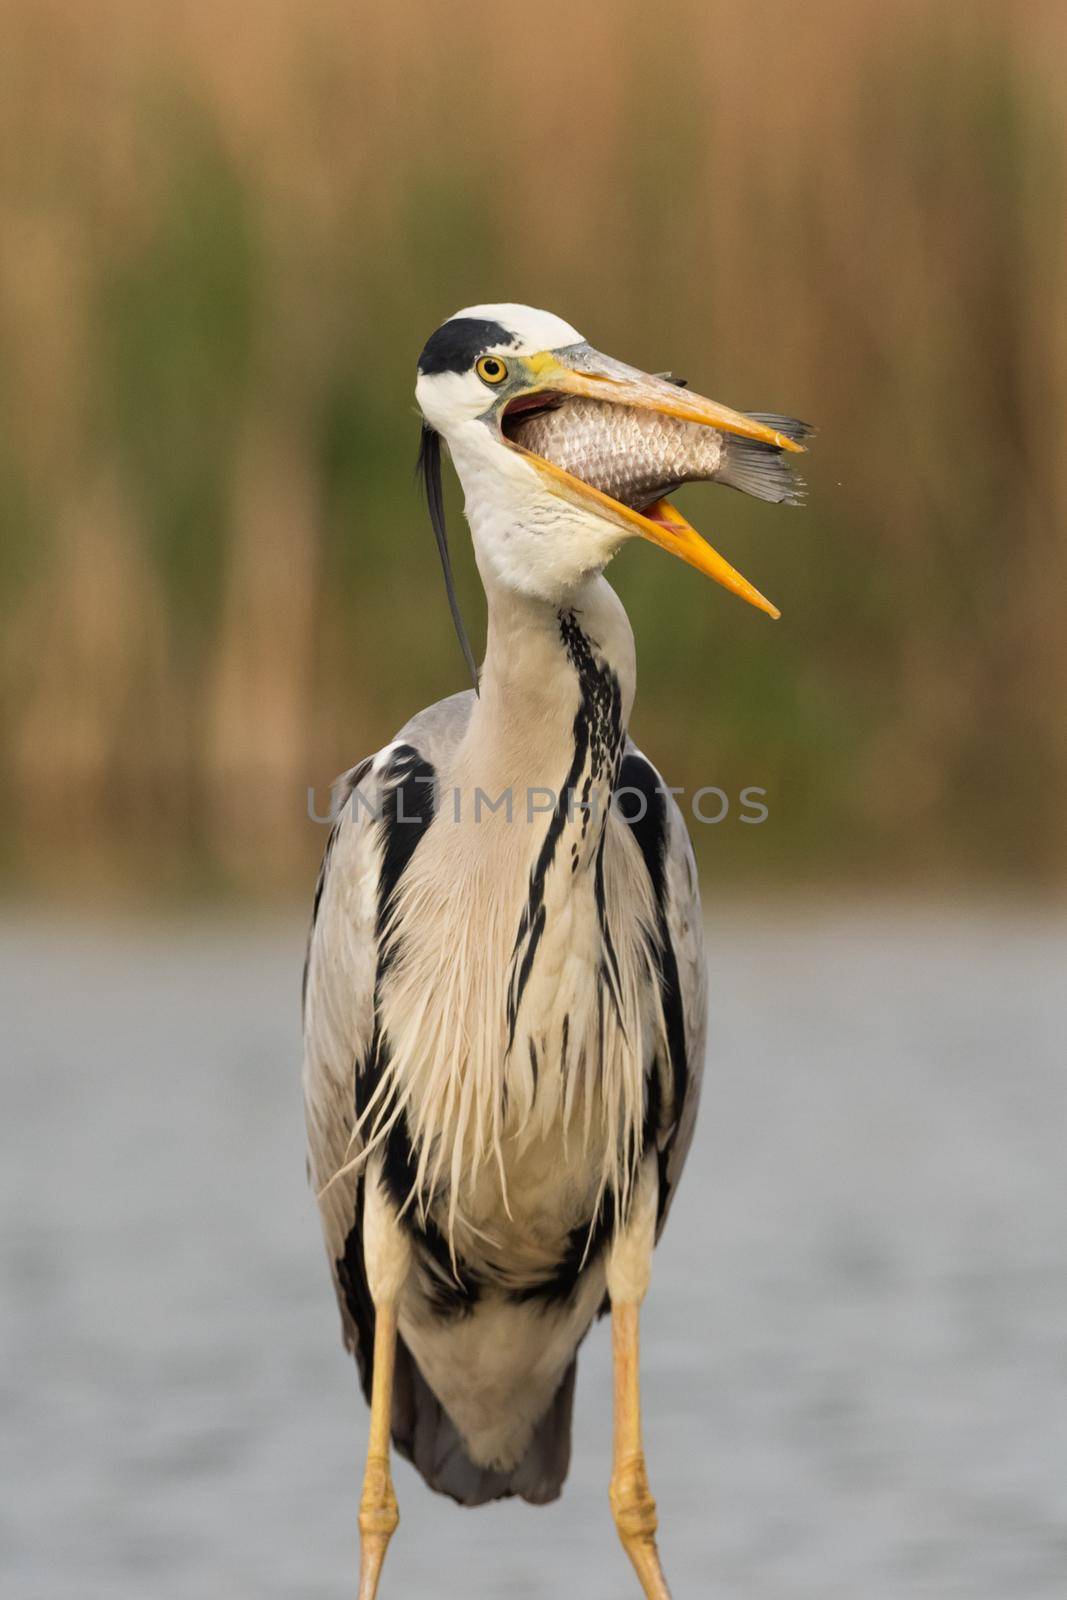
point(536, 527)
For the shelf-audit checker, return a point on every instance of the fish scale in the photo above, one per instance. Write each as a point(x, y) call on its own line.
point(637, 456)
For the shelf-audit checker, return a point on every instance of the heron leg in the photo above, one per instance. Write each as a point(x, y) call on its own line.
point(629, 1269)
point(378, 1514)
point(631, 1498)
point(387, 1253)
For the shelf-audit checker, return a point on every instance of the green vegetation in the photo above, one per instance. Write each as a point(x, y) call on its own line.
point(224, 243)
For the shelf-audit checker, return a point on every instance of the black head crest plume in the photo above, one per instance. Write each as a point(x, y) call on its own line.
point(429, 465)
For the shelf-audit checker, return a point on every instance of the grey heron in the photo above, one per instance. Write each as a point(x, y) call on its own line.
point(504, 995)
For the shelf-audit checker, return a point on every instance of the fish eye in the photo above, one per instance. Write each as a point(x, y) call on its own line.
point(491, 369)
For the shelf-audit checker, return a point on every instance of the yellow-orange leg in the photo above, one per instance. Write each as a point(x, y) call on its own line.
point(378, 1514)
point(631, 1499)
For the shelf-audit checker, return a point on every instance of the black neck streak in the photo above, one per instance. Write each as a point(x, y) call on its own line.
point(597, 734)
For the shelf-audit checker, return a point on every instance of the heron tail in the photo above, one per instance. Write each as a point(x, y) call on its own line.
point(425, 1433)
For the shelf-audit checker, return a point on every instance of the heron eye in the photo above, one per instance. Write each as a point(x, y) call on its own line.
point(491, 369)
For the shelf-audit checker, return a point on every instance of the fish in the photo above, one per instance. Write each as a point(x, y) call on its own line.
point(637, 457)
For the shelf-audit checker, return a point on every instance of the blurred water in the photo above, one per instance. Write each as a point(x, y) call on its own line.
point(855, 1348)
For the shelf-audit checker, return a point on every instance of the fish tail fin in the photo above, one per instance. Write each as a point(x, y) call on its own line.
point(762, 469)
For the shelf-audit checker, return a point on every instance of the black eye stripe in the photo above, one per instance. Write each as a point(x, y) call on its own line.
point(456, 345)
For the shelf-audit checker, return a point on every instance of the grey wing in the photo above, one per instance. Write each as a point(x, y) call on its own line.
point(657, 826)
point(339, 978)
point(365, 854)
point(685, 930)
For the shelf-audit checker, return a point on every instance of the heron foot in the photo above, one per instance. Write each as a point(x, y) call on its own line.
point(378, 1514)
point(634, 1511)
point(378, 1518)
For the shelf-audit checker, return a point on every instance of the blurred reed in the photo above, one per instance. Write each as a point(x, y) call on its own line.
point(228, 227)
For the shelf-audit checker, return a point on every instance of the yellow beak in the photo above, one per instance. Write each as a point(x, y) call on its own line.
point(661, 524)
point(583, 371)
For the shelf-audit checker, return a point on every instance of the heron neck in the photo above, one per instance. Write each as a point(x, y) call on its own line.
point(557, 689)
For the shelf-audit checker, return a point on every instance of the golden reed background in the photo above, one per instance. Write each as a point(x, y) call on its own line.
point(226, 230)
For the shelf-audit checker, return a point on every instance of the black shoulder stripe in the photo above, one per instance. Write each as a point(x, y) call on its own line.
point(406, 812)
point(456, 345)
point(643, 806)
